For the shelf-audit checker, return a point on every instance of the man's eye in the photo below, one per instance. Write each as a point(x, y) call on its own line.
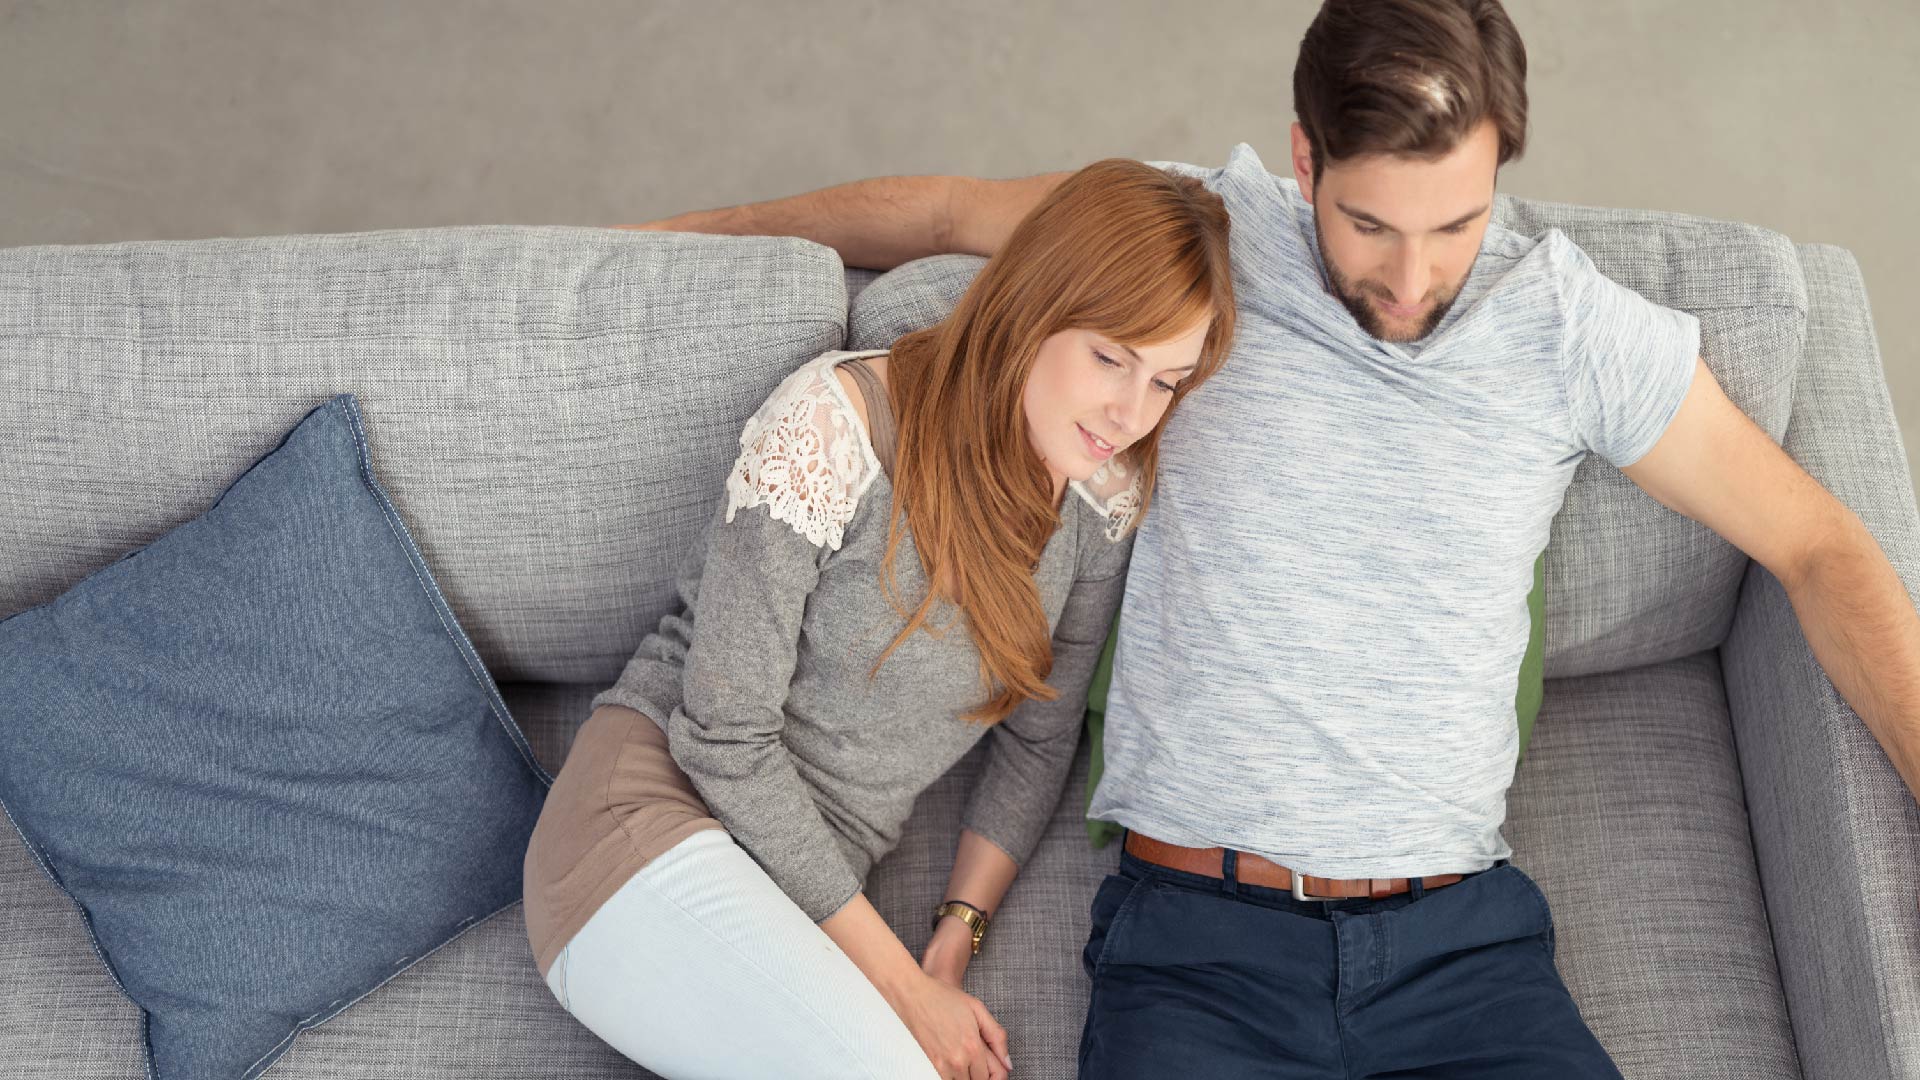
point(1455, 230)
point(1366, 230)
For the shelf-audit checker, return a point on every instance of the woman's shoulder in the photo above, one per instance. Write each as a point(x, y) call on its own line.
point(805, 454)
point(875, 364)
point(1113, 492)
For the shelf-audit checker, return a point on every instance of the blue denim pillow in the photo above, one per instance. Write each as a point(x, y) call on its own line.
point(263, 760)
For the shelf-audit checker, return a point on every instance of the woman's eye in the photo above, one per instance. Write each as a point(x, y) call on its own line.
point(1107, 360)
point(1168, 387)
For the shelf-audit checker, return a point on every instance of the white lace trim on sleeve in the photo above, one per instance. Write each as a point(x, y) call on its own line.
point(805, 456)
point(1114, 491)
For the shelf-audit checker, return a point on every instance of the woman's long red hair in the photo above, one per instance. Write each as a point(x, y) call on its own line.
point(1119, 248)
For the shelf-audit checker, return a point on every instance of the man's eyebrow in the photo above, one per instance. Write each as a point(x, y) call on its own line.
point(1362, 215)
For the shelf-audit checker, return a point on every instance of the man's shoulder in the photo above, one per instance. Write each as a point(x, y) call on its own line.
point(1535, 272)
point(1243, 172)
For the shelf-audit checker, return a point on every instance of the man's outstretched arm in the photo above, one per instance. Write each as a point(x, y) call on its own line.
point(1716, 466)
point(881, 223)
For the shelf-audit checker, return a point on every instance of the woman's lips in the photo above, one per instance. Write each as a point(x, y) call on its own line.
point(1097, 449)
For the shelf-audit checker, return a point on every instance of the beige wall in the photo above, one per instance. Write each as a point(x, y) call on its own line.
point(247, 117)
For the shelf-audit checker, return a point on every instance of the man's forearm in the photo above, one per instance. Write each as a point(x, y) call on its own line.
point(1864, 631)
point(877, 224)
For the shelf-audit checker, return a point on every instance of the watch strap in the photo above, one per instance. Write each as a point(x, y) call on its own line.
point(975, 919)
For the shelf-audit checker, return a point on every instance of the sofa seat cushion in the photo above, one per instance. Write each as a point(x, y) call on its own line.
point(1629, 812)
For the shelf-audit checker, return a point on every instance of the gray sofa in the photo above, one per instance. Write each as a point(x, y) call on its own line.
point(1731, 859)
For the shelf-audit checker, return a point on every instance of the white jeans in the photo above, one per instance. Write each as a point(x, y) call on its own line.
point(700, 967)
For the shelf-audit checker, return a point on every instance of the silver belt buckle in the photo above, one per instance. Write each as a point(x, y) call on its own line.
point(1300, 890)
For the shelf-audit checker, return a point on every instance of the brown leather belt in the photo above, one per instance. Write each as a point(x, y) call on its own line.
point(1253, 870)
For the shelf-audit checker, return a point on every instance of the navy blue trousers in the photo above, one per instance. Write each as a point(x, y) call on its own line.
point(1196, 978)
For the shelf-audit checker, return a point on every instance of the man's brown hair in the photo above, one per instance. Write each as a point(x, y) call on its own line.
point(1409, 77)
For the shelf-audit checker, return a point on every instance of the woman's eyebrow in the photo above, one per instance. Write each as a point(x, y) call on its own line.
point(1128, 349)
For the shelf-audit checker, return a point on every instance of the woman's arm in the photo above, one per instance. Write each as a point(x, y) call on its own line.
point(762, 563)
point(1029, 755)
point(952, 1026)
point(981, 874)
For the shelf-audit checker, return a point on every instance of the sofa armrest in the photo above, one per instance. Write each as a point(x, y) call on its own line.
point(1835, 831)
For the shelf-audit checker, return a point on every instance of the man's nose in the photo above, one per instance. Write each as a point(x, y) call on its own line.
point(1409, 276)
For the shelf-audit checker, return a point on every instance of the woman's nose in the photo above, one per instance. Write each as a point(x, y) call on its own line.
point(1125, 411)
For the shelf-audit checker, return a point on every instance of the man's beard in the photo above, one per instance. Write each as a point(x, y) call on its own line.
point(1355, 301)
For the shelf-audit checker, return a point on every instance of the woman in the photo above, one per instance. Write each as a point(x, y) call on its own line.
point(915, 550)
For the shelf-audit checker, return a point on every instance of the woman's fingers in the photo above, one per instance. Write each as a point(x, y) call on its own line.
point(993, 1034)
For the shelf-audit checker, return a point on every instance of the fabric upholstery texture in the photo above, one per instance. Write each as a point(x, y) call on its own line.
point(1836, 832)
point(555, 407)
point(262, 758)
point(1629, 813)
point(1630, 582)
point(1630, 809)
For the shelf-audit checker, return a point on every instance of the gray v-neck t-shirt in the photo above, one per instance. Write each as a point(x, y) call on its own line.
point(1328, 605)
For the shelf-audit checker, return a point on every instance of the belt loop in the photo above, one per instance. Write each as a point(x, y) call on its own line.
point(1230, 873)
point(1418, 887)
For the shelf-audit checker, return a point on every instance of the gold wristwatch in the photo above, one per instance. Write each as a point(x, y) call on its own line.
point(975, 919)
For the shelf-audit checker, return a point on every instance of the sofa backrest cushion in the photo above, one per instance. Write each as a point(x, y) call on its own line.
point(556, 408)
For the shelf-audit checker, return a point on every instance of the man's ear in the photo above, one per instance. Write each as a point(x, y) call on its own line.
point(1303, 162)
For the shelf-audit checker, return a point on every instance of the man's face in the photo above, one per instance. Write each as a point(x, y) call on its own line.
point(1399, 234)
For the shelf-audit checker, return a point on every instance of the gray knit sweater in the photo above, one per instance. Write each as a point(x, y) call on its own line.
point(809, 763)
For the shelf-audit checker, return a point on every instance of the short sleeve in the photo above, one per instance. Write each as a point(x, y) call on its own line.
point(804, 457)
point(1628, 362)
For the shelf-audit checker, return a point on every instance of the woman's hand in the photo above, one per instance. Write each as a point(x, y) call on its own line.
point(958, 1034)
point(948, 952)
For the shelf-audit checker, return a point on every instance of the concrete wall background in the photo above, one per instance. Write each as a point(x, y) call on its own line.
point(195, 118)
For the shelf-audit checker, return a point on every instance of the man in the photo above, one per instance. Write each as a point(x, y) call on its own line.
point(1310, 729)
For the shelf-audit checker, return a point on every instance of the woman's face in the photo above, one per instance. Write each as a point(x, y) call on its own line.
point(1090, 397)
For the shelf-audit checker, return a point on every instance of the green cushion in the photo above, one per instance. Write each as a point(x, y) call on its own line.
point(1526, 701)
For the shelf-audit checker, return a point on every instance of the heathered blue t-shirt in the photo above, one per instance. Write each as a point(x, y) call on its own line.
point(1328, 600)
